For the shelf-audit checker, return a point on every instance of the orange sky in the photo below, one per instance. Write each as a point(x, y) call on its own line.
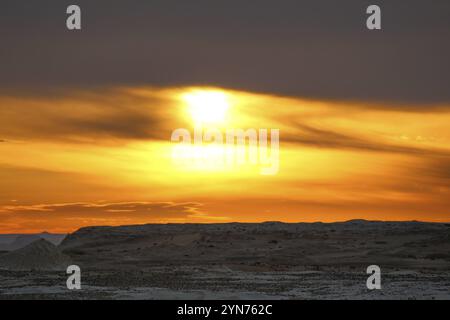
point(104, 157)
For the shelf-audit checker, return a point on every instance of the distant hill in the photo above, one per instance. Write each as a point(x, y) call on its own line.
point(10, 242)
point(38, 255)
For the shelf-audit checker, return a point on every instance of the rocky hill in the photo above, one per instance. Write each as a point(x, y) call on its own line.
point(39, 255)
point(263, 246)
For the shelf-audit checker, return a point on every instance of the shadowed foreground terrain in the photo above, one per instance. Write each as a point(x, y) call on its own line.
point(269, 260)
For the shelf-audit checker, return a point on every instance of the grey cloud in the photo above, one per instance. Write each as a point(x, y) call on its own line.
point(122, 126)
point(309, 48)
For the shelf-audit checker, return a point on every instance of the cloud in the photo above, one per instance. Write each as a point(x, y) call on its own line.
point(160, 210)
point(318, 49)
point(311, 136)
point(118, 115)
point(103, 115)
point(431, 171)
point(70, 216)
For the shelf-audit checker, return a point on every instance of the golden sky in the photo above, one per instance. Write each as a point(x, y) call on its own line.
point(74, 158)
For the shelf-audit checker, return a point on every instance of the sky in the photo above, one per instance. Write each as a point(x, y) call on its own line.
point(86, 117)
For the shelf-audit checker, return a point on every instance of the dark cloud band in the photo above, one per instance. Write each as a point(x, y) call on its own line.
point(309, 48)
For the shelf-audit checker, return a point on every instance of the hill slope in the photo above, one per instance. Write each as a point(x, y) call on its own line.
point(39, 255)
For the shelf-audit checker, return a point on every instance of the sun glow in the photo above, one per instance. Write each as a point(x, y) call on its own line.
point(207, 106)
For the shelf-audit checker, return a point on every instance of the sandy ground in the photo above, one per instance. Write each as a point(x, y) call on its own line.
point(189, 283)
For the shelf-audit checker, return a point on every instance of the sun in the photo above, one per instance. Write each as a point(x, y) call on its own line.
point(207, 106)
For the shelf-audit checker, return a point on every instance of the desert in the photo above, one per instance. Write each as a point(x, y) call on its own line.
point(271, 260)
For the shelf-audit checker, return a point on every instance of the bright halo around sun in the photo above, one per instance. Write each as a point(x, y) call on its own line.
point(207, 106)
